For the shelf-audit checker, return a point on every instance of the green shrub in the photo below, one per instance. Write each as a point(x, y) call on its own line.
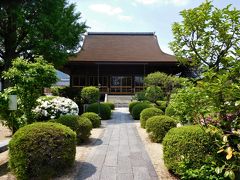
point(154, 93)
point(132, 104)
point(189, 144)
point(42, 150)
point(158, 126)
point(90, 95)
point(147, 113)
point(84, 131)
point(93, 117)
point(111, 105)
point(170, 111)
point(137, 109)
point(161, 105)
point(70, 121)
point(105, 110)
point(140, 96)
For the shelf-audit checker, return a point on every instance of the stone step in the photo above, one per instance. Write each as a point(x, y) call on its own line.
point(119, 100)
point(4, 145)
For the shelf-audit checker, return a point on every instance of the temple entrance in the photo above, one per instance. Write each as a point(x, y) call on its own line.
point(121, 85)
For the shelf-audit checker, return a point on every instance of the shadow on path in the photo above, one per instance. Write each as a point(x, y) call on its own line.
point(86, 170)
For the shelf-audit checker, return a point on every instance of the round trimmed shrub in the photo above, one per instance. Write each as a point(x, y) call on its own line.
point(93, 117)
point(189, 144)
point(42, 150)
point(90, 95)
point(147, 113)
point(105, 110)
point(153, 93)
point(111, 105)
point(84, 130)
point(158, 126)
point(137, 109)
point(70, 121)
point(131, 105)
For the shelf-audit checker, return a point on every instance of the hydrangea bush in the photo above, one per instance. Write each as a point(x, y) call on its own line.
point(51, 107)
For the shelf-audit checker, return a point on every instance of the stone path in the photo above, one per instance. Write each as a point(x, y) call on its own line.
point(119, 153)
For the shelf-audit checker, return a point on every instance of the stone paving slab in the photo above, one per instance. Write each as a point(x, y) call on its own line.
point(120, 155)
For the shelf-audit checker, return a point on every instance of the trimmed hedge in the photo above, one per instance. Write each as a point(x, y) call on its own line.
point(111, 105)
point(42, 150)
point(105, 110)
point(94, 118)
point(158, 126)
point(84, 130)
point(147, 113)
point(70, 121)
point(137, 109)
point(90, 94)
point(189, 144)
point(131, 105)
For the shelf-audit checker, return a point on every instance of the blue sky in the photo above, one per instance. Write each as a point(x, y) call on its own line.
point(139, 15)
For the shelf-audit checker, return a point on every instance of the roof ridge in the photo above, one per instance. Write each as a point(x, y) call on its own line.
point(123, 33)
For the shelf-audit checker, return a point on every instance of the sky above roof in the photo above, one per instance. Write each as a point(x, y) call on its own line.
point(139, 15)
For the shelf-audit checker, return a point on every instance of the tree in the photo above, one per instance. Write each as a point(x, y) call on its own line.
point(29, 79)
point(49, 28)
point(209, 37)
point(167, 83)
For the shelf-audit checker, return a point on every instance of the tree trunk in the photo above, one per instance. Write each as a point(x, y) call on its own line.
point(10, 41)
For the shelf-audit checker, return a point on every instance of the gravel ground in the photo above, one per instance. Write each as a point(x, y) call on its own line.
point(155, 151)
point(5, 133)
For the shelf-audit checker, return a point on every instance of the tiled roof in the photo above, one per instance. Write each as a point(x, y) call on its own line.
point(121, 47)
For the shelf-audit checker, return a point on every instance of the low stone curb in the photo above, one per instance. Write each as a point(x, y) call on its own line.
point(4, 145)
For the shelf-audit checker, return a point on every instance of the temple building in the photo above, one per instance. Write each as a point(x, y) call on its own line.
point(118, 62)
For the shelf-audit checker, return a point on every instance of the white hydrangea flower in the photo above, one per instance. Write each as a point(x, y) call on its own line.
point(52, 108)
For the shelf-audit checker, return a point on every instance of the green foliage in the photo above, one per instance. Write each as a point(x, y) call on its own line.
point(131, 105)
point(140, 96)
point(70, 121)
point(90, 95)
point(48, 28)
point(161, 105)
point(111, 105)
point(207, 171)
point(229, 152)
point(41, 150)
point(12, 119)
point(170, 111)
point(56, 90)
point(158, 126)
point(189, 144)
point(82, 125)
point(84, 131)
point(29, 79)
point(93, 117)
point(214, 101)
point(153, 93)
point(167, 83)
point(137, 109)
point(105, 110)
point(148, 113)
point(208, 36)
point(73, 93)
